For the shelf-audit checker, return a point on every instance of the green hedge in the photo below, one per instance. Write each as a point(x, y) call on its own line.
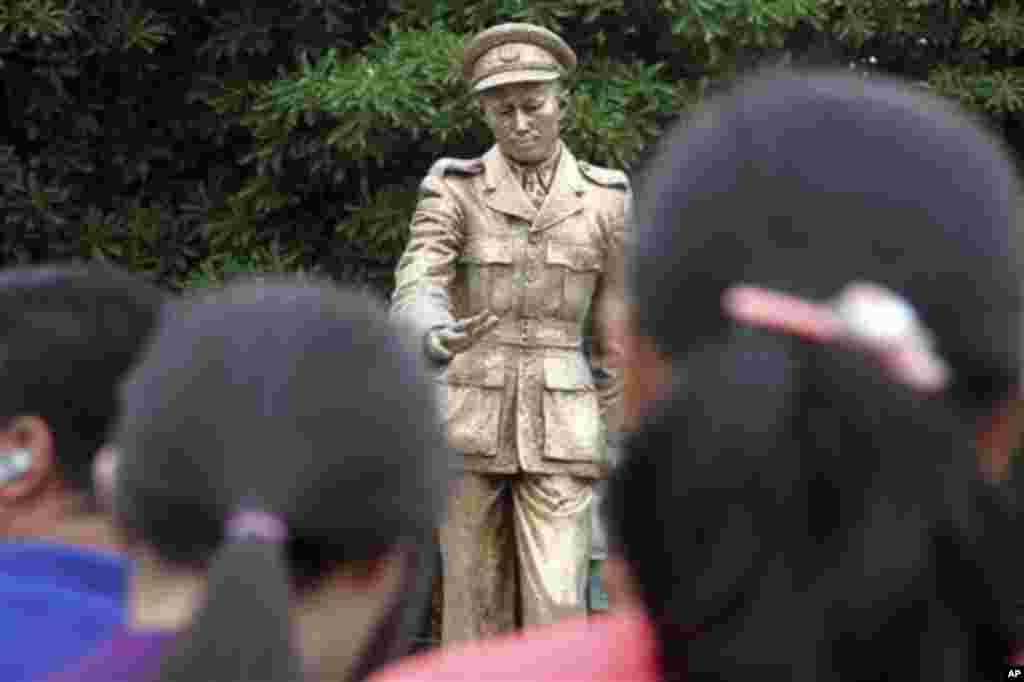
point(194, 140)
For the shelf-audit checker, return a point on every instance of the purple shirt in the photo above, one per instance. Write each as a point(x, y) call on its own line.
point(57, 602)
point(129, 656)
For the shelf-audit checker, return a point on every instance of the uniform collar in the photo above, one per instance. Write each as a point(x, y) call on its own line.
point(504, 192)
point(545, 170)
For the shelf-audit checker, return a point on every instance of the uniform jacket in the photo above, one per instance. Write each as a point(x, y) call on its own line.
point(524, 397)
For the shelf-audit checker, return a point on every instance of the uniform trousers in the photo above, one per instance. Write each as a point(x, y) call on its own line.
point(515, 551)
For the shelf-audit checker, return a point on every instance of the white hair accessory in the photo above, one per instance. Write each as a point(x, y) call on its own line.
point(869, 317)
point(14, 464)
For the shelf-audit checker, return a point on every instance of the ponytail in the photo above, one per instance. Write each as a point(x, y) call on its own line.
point(243, 631)
point(192, 490)
point(393, 635)
point(713, 461)
point(813, 490)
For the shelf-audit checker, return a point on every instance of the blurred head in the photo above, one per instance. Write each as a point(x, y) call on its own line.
point(788, 500)
point(805, 184)
point(301, 403)
point(67, 336)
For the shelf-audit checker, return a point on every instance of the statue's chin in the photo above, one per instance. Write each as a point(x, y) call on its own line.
point(527, 154)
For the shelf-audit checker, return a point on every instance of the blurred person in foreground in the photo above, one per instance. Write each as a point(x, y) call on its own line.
point(281, 471)
point(839, 279)
point(826, 272)
point(67, 335)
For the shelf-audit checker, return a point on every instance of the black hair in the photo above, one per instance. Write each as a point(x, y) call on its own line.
point(68, 333)
point(807, 183)
point(297, 400)
point(790, 510)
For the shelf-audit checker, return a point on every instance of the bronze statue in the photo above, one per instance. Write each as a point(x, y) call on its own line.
point(510, 256)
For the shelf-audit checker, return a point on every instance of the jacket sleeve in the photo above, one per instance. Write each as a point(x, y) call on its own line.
point(608, 313)
point(427, 267)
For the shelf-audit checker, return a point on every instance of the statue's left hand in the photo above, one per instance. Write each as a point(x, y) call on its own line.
point(448, 340)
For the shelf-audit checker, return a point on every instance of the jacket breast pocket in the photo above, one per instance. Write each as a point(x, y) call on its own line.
point(488, 264)
point(582, 265)
point(472, 399)
point(573, 430)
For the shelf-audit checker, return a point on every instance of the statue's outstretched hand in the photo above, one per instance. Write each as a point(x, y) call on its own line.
point(444, 342)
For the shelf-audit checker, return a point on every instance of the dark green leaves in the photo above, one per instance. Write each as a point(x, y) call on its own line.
point(196, 140)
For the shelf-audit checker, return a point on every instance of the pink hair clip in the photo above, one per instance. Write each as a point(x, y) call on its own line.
point(865, 316)
point(256, 525)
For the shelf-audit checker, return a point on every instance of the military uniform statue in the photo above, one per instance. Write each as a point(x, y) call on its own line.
point(510, 255)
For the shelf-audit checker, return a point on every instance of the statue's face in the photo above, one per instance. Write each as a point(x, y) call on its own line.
point(525, 119)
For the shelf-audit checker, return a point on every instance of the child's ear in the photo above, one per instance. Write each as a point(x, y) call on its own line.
point(998, 436)
point(31, 438)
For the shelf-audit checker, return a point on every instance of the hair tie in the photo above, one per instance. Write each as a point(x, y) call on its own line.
point(868, 317)
point(256, 525)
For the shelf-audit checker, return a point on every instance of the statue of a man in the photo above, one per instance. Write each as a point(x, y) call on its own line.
point(510, 256)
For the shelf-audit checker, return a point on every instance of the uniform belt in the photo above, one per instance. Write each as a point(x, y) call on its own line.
point(537, 333)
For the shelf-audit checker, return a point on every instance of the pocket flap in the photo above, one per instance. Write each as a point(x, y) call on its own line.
point(567, 374)
point(487, 251)
point(579, 257)
point(474, 368)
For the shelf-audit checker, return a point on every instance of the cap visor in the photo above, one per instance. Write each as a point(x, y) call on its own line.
point(507, 77)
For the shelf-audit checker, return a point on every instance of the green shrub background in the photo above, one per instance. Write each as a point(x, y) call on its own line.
point(193, 140)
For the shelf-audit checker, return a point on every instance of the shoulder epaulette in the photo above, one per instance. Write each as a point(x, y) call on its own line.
point(605, 176)
point(442, 167)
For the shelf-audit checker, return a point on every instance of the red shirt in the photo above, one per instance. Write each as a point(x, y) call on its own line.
point(617, 647)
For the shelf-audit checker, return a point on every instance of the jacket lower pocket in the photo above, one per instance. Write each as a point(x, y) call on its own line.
point(573, 430)
point(472, 415)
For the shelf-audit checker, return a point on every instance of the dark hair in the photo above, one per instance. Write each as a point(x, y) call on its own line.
point(297, 400)
point(790, 510)
point(68, 334)
point(806, 184)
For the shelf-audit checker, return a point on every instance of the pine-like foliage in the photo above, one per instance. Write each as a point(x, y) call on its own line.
point(196, 139)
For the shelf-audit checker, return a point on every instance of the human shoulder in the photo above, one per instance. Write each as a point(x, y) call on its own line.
point(124, 655)
point(606, 177)
point(435, 182)
point(451, 166)
point(571, 650)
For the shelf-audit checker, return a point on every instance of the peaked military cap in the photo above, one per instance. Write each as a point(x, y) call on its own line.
point(515, 53)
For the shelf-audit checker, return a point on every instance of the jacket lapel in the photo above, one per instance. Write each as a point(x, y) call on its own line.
point(565, 197)
point(502, 190)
